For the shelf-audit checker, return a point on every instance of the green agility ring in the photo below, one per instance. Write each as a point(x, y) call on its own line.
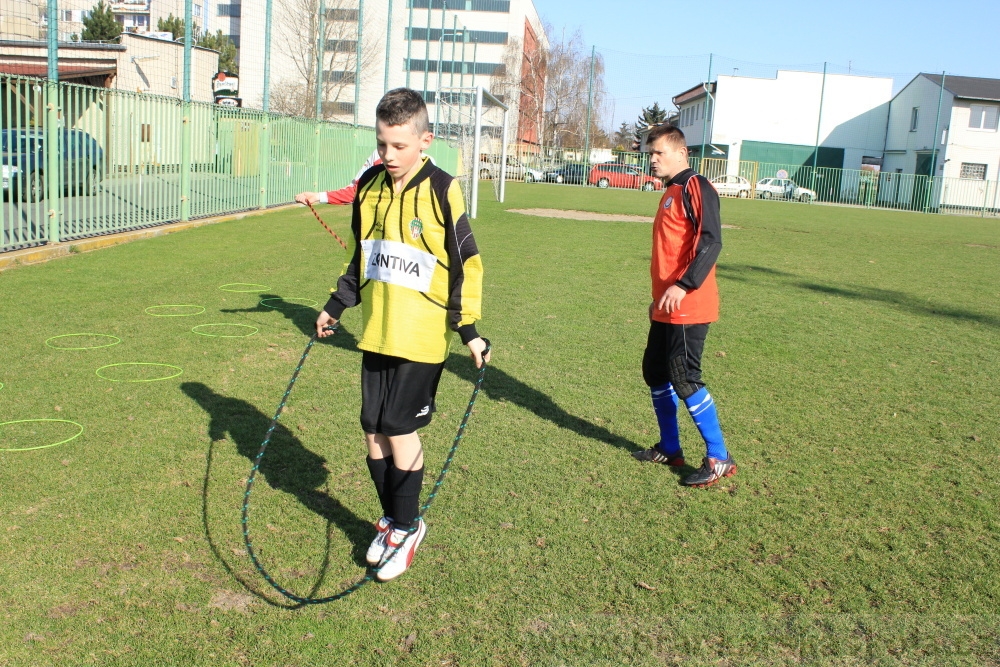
point(139, 363)
point(88, 347)
point(54, 444)
point(253, 287)
point(293, 302)
point(223, 324)
point(186, 305)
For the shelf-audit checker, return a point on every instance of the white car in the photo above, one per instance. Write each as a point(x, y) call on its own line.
point(489, 167)
point(730, 185)
point(783, 188)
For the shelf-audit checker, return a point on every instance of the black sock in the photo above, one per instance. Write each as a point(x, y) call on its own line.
point(404, 485)
point(379, 470)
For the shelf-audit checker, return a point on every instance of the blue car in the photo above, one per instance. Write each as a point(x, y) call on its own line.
point(22, 161)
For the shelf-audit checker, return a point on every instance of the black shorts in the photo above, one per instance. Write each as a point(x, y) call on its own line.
point(673, 354)
point(397, 395)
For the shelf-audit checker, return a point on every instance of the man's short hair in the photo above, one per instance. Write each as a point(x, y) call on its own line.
point(401, 106)
point(673, 134)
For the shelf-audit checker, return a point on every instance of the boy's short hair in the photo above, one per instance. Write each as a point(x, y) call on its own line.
point(673, 134)
point(401, 106)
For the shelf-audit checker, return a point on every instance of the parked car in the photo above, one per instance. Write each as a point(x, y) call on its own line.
point(783, 188)
point(489, 167)
point(731, 185)
point(23, 162)
point(616, 175)
point(571, 172)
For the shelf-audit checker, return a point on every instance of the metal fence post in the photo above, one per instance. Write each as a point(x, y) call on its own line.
point(409, 45)
point(52, 170)
point(186, 117)
point(388, 48)
point(934, 148)
point(265, 130)
point(590, 104)
point(357, 58)
point(819, 121)
point(704, 117)
point(320, 49)
point(478, 120)
point(437, 93)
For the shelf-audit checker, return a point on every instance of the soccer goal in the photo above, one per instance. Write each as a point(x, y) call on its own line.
point(475, 122)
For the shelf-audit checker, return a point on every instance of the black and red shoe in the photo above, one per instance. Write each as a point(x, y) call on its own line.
point(654, 455)
point(711, 471)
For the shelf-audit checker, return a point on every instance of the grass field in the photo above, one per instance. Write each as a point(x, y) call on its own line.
point(855, 368)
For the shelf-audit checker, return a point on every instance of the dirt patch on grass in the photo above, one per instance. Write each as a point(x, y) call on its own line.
point(589, 215)
point(230, 601)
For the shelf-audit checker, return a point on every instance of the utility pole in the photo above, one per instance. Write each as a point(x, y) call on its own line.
point(52, 171)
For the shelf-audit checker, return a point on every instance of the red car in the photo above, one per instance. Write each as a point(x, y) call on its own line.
point(614, 175)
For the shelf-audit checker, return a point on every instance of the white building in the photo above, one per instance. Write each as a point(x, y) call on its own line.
point(780, 120)
point(964, 112)
point(469, 38)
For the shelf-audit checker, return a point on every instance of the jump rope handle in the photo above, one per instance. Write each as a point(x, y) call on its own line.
point(489, 346)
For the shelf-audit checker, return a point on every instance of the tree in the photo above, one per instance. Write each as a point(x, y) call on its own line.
point(225, 47)
point(175, 26)
point(297, 29)
point(101, 25)
point(566, 95)
point(520, 84)
point(649, 117)
point(624, 138)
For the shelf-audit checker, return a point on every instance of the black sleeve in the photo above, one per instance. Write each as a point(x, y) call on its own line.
point(702, 204)
point(347, 294)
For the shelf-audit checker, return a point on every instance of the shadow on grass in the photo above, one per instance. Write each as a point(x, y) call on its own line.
point(303, 317)
point(287, 466)
point(501, 386)
point(498, 385)
point(744, 273)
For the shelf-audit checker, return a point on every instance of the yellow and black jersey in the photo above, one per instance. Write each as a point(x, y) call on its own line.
point(415, 270)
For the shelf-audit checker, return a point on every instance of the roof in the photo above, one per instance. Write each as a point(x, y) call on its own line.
point(41, 70)
point(969, 87)
point(693, 93)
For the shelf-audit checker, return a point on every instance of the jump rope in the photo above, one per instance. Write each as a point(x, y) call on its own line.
point(370, 575)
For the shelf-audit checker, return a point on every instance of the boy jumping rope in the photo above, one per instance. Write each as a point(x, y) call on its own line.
point(344, 195)
point(687, 238)
point(417, 274)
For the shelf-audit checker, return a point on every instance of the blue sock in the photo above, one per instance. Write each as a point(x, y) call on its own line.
point(665, 406)
point(702, 409)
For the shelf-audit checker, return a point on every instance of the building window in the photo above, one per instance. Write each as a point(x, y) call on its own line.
point(342, 14)
point(337, 108)
point(341, 45)
point(339, 76)
point(235, 39)
point(913, 119)
point(452, 35)
point(234, 10)
point(983, 117)
point(502, 6)
point(458, 67)
point(973, 171)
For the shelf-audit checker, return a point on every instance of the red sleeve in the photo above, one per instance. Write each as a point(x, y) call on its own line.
point(343, 195)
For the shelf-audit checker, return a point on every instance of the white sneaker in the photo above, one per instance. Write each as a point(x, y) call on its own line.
point(400, 561)
point(382, 529)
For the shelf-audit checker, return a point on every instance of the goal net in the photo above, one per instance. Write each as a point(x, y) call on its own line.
point(475, 122)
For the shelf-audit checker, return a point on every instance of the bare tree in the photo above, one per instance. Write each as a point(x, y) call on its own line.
point(522, 87)
point(294, 90)
point(566, 95)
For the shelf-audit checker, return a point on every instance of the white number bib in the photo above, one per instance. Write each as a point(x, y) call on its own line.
point(397, 263)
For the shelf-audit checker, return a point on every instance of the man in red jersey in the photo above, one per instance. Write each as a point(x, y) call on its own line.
point(344, 195)
point(687, 239)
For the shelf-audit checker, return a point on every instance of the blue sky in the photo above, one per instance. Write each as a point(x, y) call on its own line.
point(897, 39)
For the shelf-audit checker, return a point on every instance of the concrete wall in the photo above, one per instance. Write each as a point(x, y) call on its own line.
point(786, 110)
point(156, 66)
point(902, 145)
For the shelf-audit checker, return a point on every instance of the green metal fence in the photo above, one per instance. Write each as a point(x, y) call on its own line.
point(121, 160)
